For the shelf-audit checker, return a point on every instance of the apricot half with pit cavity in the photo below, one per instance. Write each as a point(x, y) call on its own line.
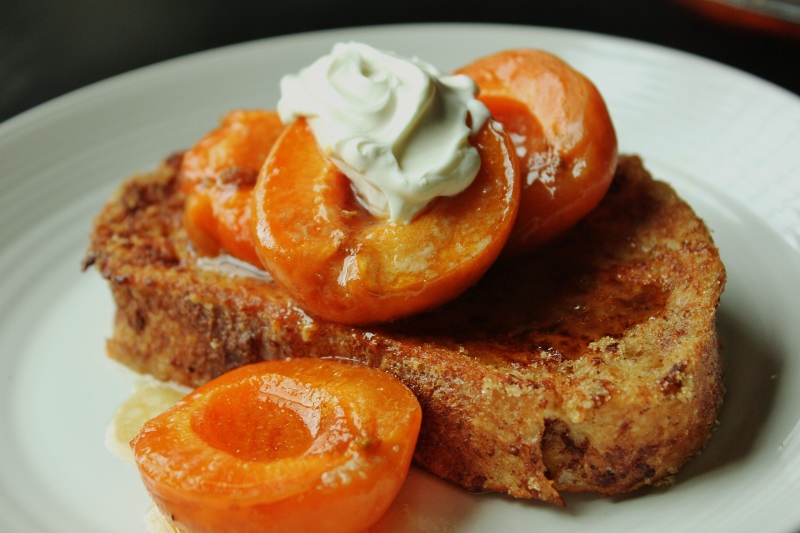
point(294, 445)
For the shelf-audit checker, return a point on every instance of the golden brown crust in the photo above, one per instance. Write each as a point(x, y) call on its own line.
point(590, 365)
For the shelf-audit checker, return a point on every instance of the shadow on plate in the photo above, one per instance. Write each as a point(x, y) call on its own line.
point(752, 366)
point(427, 504)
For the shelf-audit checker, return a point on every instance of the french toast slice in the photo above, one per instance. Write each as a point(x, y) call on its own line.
point(589, 365)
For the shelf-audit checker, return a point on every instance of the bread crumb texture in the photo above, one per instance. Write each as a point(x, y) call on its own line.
point(588, 365)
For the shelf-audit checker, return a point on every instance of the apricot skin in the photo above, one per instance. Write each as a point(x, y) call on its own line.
point(282, 446)
point(218, 174)
point(565, 139)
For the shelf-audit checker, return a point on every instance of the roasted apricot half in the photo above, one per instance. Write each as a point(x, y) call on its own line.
point(342, 264)
point(218, 174)
point(564, 139)
point(295, 445)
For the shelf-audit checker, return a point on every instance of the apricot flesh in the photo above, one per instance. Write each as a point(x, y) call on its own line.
point(564, 138)
point(295, 445)
point(342, 264)
point(218, 175)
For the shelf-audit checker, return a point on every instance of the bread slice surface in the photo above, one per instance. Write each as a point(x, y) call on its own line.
point(589, 365)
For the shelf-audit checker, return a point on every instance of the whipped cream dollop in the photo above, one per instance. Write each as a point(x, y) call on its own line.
point(396, 127)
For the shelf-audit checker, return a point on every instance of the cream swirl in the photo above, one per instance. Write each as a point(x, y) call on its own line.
point(396, 127)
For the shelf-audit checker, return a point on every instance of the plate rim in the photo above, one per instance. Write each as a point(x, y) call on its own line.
point(64, 100)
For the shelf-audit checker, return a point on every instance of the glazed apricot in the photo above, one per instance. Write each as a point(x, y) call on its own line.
point(218, 175)
point(563, 134)
point(295, 445)
point(344, 265)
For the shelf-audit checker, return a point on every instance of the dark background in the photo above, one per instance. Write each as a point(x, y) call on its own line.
point(50, 47)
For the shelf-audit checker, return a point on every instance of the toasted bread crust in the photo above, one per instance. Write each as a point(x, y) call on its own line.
point(589, 365)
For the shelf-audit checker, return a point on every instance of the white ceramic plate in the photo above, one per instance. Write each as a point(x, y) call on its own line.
point(728, 142)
